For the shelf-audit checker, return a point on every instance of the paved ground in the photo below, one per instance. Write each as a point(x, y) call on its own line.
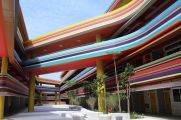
point(54, 112)
point(154, 117)
point(50, 112)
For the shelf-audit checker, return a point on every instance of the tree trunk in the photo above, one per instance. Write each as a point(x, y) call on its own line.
point(117, 83)
point(128, 98)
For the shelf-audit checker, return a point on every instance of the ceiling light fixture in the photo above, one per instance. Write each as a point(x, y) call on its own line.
point(61, 46)
point(78, 41)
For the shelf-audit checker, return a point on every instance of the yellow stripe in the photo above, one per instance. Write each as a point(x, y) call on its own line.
point(154, 79)
point(4, 87)
point(86, 21)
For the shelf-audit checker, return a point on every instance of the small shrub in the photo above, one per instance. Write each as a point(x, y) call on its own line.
point(91, 101)
point(75, 101)
point(135, 115)
point(112, 102)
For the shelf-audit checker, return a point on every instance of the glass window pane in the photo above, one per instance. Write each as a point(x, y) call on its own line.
point(176, 95)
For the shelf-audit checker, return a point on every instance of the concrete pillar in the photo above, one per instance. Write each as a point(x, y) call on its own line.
point(55, 98)
point(40, 96)
point(101, 88)
point(59, 100)
point(31, 99)
point(4, 68)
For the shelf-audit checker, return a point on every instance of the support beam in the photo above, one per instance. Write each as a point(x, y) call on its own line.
point(101, 88)
point(4, 68)
point(31, 95)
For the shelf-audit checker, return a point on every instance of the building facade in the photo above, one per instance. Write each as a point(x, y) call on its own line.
point(144, 33)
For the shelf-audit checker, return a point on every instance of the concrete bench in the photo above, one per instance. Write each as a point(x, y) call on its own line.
point(78, 116)
point(105, 117)
point(92, 114)
point(120, 116)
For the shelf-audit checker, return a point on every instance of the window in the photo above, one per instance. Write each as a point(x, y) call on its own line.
point(177, 95)
point(147, 58)
point(137, 62)
point(173, 48)
point(157, 53)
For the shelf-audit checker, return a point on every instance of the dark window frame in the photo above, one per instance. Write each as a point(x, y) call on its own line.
point(176, 95)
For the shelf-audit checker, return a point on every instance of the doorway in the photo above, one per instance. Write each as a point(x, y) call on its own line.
point(167, 102)
point(153, 102)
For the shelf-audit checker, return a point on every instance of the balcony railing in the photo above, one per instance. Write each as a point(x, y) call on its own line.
point(12, 86)
point(161, 69)
point(159, 61)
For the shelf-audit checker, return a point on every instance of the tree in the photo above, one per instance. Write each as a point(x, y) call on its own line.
point(91, 87)
point(95, 87)
point(117, 84)
point(125, 82)
point(70, 95)
point(69, 82)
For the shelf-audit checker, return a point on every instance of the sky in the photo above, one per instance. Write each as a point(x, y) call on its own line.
point(43, 16)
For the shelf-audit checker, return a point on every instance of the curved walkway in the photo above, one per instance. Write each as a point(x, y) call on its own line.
point(162, 24)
